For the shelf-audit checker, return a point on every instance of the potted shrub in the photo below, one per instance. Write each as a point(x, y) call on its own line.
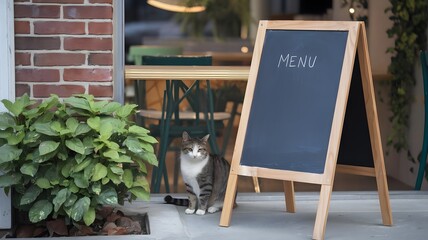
point(68, 158)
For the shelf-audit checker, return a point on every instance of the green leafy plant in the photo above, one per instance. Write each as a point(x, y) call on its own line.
point(227, 16)
point(410, 19)
point(68, 158)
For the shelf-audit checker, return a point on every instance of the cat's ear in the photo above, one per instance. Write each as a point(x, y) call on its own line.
point(185, 136)
point(205, 139)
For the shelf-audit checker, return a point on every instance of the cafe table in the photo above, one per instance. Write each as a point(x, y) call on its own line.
point(167, 73)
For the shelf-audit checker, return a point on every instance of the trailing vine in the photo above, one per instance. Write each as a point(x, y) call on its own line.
point(409, 28)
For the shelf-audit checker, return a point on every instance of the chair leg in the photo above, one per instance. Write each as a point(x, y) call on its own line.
point(228, 129)
point(210, 121)
point(176, 170)
point(164, 142)
point(165, 179)
point(422, 162)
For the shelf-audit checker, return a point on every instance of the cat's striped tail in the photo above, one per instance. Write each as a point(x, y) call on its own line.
point(176, 201)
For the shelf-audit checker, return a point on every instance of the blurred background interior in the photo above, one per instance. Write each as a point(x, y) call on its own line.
point(226, 30)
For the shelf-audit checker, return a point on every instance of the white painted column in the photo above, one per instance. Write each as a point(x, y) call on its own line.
point(7, 89)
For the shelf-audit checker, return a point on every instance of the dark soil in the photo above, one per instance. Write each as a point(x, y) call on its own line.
point(107, 222)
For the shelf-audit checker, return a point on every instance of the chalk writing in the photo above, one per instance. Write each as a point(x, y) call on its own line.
point(293, 61)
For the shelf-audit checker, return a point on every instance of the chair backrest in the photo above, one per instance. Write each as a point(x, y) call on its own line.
point(137, 51)
point(177, 60)
point(195, 97)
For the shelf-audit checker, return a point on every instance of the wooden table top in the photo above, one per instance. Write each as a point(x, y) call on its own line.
point(134, 72)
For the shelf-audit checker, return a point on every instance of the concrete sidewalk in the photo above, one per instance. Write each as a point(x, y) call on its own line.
point(352, 215)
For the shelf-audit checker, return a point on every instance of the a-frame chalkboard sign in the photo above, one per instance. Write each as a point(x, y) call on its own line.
point(309, 110)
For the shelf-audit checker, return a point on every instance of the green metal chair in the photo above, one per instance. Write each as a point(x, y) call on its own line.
point(199, 121)
point(135, 55)
point(423, 156)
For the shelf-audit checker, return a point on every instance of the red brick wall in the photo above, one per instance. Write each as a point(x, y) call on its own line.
point(63, 47)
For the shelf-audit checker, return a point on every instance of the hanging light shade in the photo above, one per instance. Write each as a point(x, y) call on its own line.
point(176, 6)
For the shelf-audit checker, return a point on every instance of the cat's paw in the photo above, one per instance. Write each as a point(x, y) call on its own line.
point(200, 212)
point(213, 209)
point(189, 211)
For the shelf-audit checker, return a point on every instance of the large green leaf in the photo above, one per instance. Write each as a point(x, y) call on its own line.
point(149, 139)
point(116, 179)
point(45, 128)
point(141, 181)
point(79, 167)
point(60, 198)
point(141, 165)
point(49, 103)
point(112, 154)
point(66, 169)
point(47, 147)
point(37, 158)
point(133, 144)
point(126, 110)
point(76, 145)
point(148, 147)
point(30, 195)
point(117, 170)
point(110, 107)
point(6, 133)
point(31, 137)
point(46, 117)
point(148, 157)
point(140, 193)
point(97, 106)
point(123, 159)
point(73, 188)
point(106, 131)
point(79, 103)
point(70, 200)
point(29, 169)
point(43, 183)
point(72, 124)
point(96, 188)
point(14, 139)
point(56, 126)
point(112, 145)
point(89, 216)
point(138, 130)
point(19, 105)
point(108, 196)
point(79, 208)
point(99, 172)
point(80, 181)
point(6, 120)
point(40, 211)
point(128, 178)
point(53, 174)
point(82, 128)
point(117, 124)
point(88, 172)
point(94, 123)
point(10, 179)
point(9, 153)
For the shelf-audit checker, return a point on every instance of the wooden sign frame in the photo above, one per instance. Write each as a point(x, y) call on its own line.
point(356, 41)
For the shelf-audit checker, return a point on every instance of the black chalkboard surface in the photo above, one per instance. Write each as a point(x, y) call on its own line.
point(294, 100)
point(355, 144)
point(309, 112)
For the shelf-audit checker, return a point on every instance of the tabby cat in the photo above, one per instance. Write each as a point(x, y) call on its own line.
point(204, 174)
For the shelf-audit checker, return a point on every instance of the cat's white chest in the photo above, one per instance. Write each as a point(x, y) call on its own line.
point(190, 169)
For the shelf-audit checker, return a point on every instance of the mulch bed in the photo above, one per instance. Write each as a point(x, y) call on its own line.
point(108, 222)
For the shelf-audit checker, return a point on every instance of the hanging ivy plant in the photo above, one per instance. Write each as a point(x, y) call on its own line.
point(409, 28)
